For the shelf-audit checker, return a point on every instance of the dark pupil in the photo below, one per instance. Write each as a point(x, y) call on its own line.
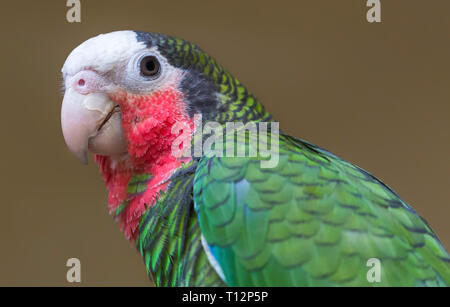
point(149, 66)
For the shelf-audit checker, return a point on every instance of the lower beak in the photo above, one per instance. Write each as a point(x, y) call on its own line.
point(92, 122)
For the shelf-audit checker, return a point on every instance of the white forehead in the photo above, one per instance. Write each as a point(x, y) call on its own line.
point(103, 53)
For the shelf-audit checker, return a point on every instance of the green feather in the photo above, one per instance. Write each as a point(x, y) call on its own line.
point(313, 220)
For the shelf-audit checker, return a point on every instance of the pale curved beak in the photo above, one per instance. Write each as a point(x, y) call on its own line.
point(91, 122)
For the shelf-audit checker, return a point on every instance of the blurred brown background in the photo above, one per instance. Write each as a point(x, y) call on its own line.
point(375, 94)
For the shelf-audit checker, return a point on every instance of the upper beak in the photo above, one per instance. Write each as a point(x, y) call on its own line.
point(93, 122)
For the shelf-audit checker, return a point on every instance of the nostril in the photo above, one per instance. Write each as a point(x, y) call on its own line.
point(86, 82)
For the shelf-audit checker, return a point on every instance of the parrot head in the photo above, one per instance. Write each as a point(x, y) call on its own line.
point(122, 96)
point(126, 91)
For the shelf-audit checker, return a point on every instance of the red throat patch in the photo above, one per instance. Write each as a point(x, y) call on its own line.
point(148, 123)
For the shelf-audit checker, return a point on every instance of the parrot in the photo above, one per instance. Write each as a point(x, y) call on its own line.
point(136, 100)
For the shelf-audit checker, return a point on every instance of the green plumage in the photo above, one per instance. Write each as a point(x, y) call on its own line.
point(169, 238)
point(313, 220)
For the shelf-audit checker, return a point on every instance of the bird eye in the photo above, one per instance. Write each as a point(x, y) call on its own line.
point(150, 66)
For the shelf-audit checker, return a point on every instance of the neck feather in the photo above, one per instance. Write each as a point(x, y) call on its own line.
point(134, 182)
